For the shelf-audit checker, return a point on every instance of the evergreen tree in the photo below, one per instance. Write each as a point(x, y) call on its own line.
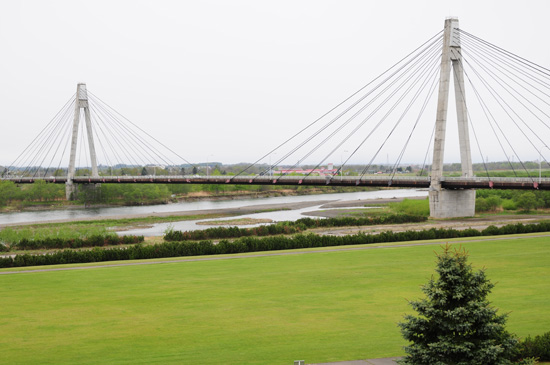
point(456, 324)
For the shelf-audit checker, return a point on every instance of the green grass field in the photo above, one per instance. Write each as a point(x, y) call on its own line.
point(324, 306)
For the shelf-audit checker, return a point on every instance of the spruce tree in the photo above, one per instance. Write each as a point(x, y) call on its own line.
point(456, 324)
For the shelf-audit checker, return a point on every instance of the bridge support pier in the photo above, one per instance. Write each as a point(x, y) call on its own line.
point(86, 192)
point(451, 203)
point(81, 102)
point(70, 190)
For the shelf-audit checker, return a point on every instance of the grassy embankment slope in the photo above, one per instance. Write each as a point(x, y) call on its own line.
point(265, 310)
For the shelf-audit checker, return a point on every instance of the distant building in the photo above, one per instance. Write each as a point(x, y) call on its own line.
point(329, 170)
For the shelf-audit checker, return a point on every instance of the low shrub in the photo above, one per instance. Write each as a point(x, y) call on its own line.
point(489, 204)
point(91, 241)
point(527, 361)
point(286, 227)
point(412, 207)
point(537, 347)
point(509, 204)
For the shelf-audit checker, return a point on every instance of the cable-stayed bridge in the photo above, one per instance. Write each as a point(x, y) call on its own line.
point(509, 95)
point(379, 181)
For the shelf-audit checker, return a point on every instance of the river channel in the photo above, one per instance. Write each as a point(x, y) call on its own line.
point(158, 229)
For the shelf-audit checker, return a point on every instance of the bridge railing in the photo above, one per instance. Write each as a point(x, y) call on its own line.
point(496, 179)
point(500, 180)
point(368, 180)
point(225, 179)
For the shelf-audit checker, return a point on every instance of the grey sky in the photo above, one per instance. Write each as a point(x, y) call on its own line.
point(225, 80)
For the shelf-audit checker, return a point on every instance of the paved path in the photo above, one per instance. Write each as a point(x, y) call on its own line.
point(245, 256)
point(384, 361)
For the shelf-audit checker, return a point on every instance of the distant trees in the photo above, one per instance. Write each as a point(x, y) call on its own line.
point(83, 172)
point(489, 204)
point(132, 193)
point(527, 201)
point(492, 200)
point(39, 191)
point(8, 192)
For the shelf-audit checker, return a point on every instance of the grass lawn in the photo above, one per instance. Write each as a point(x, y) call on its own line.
point(267, 310)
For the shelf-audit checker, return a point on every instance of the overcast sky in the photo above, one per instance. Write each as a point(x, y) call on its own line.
point(225, 80)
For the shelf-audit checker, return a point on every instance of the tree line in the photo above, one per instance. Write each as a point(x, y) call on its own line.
point(495, 200)
point(132, 194)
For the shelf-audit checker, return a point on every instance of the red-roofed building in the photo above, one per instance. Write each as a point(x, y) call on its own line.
point(329, 170)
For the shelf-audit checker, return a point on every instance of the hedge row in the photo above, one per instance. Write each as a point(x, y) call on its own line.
point(286, 227)
point(91, 241)
point(251, 244)
point(537, 347)
point(365, 221)
point(232, 232)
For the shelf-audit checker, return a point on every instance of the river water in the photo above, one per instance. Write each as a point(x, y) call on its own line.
point(158, 229)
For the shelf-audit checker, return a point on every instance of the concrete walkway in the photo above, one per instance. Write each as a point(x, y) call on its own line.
point(384, 361)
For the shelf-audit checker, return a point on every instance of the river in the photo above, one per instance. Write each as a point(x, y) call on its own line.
point(158, 229)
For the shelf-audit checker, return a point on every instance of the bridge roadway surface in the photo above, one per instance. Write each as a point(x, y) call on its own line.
point(380, 181)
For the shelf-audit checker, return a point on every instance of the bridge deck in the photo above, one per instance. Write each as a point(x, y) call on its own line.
point(380, 181)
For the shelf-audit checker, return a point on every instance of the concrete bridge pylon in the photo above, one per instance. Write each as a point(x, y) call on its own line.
point(451, 203)
point(81, 102)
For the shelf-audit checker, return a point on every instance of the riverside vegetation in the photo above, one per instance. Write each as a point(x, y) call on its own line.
point(489, 201)
point(61, 236)
point(11, 236)
point(511, 200)
point(252, 244)
point(95, 233)
point(42, 193)
point(286, 227)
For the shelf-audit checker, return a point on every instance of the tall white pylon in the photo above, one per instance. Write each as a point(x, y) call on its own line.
point(451, 203)
point(80, 103)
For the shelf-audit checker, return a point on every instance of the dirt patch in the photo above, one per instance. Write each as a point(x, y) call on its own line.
point(336, 213)
point(130, 227)
point(368, 202)
point(198, 194)
point(235, 222)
